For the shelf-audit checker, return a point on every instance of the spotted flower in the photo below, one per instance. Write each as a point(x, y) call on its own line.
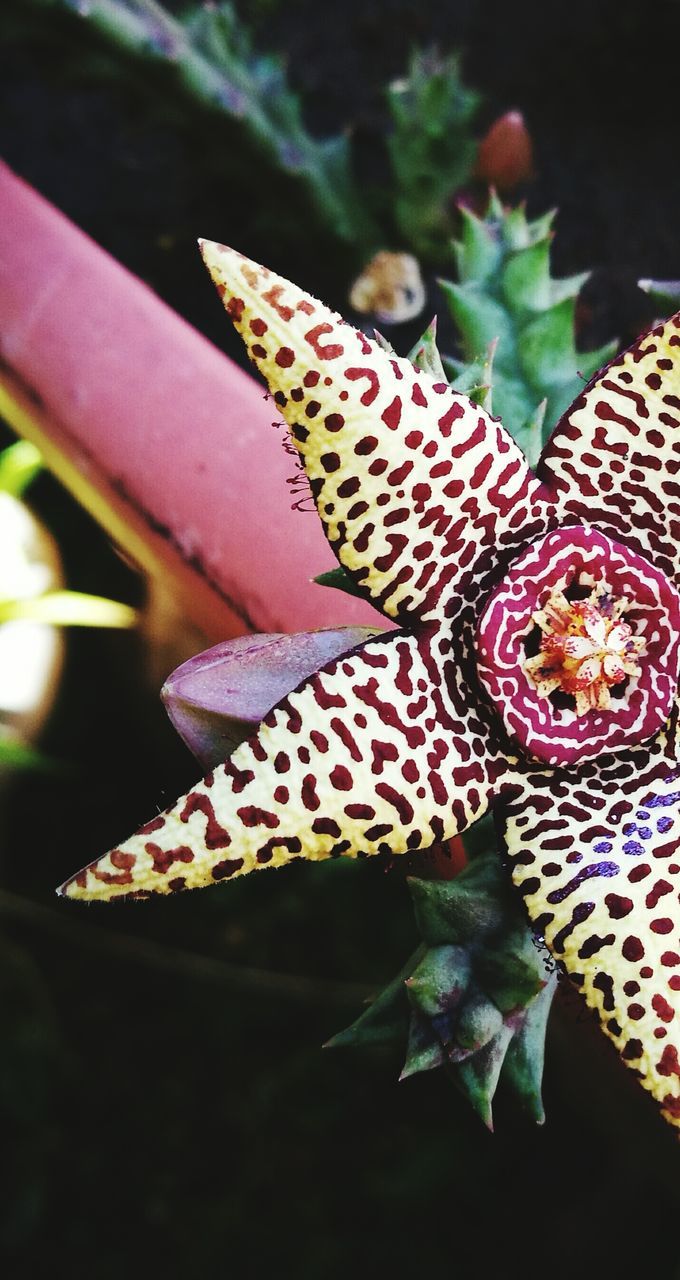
point(534, 669)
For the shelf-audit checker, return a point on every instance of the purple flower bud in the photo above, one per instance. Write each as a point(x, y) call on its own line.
point(217, 699)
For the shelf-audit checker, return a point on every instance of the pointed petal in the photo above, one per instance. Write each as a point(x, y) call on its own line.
point(613, 458)
point(378, 752)
point(596, 854)
point(420, 491)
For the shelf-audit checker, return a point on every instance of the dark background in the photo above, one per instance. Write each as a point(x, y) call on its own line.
point(165, 1103)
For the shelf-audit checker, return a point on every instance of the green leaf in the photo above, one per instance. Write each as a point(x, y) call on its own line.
point(481, 320)
point(480, 1020)
point(386, 1019)
point(69, 609)
point(424, 1051)
point(20, 463)
point(424, 355)
point(460, 910)
point(665, 293)
point(478, 252)
point(478, 1075)
point(523, 1066)
point(14, 754)
point(340, 580)
point(438, 982)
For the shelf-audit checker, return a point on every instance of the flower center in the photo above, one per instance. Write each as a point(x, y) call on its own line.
point(586, 649)
point(578, 648)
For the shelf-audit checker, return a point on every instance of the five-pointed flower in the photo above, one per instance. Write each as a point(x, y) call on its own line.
point(535, 668)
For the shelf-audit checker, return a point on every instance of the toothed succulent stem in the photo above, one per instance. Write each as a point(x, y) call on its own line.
point(432, 149)
point(474, 997)
point(505, 294)
point(211, 57)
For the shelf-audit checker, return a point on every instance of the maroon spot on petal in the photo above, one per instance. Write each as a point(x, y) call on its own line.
point(325, 698)
point(308, 792)
point(662, 925)
point(122, 861)
point(258, 350)
point(312, 408)
point(330, 462)
point(593, 944)
point(631, 988)
point(235, 308)
point(617, 906)
point(639, 873)
point(370, 394)
point(252, 816)
point(360, 811)
point(229, 867)
point(662, 1008)
point(646, 972)
point(326, 827)
point(378, 831)
point(605, 983)
point(391, 416)
point(632, 1050)
point(636, 1012)
point(239, 777)
point(418, 396)
point(366, 445)
point(258, 327)
point(273, 297)
point(311, 377)
point(149, 827)
point(397, 800)
point(382, 751)
point(668, 1065)
point(177, 884)
point(670, 958)
point(349, 487)
point(341, 778)
point(282, 762)
point(215, 835)
point(164, 858)
point(334, 421)
point(294, 721)
point(632, 948)
point(660, 888)
point(344, 733)
point(447, 419)
point(281, 795)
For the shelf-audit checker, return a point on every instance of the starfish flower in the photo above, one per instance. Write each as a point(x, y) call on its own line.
point(534, 669)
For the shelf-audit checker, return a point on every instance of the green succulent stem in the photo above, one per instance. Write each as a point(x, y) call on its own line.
point(474, 998)
point(505, 295)
point(210, 55)
point(432, 149)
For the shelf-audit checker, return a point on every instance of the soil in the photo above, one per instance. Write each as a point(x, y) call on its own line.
point(167, 1115)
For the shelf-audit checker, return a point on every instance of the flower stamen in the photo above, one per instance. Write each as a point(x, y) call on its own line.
point(586, 649)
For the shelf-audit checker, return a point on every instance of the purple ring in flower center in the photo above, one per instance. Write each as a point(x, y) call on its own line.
point(580, 562)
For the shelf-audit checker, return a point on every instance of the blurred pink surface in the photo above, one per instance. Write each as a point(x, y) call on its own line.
point(173, 436)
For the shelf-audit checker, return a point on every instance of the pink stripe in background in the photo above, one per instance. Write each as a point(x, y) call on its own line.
point(174, 437)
